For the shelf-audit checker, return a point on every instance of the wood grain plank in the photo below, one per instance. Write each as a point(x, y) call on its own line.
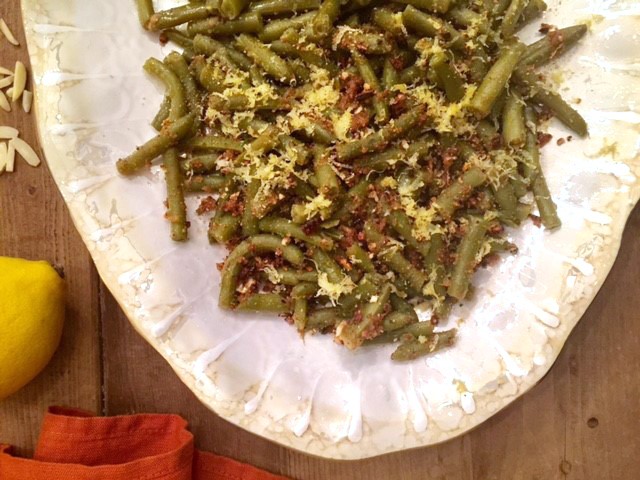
point(544, 435)
point(35, 224)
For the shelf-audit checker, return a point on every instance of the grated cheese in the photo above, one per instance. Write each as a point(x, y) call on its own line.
point(334, 290)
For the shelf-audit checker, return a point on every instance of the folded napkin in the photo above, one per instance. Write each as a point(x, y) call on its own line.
point(75, 445)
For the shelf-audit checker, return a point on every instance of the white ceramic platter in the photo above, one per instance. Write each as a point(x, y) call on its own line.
point(94, 105)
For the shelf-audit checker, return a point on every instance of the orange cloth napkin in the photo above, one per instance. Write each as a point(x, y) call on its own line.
point(75, 445)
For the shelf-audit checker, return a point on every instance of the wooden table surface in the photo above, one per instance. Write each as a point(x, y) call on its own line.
point(580, 422)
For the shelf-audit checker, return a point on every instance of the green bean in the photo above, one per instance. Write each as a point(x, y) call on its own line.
point(478, 67)
point(467, 18)
point(360, 257)
point(263, 302)
point(270, 62)
point(277, 7)
point(370, 78)
point(178, 38)
point(499, 7)
point(274, 29)
point(354, 198)
point(169, 136)
point(546, 206)
point(436, 6)
point(322, 23)
point(323, 318)
point(370, 43)
point(381, 138)
point(223, 228)
point(421, 347)
point(389, 75)
point(551, 46)
point(208, 46)
point(326, 264)
point(511, 17)
point(249, 220)
point(205, 183)
point(145, 11)
point(352, 335)
point(178, 65)
point(163, 114)
point(177, 16)
point(175, 90)
point(507, 200)
point(454, 195)
point(430, 26)
point(401, 223)
point(286, 228)
point(200, 164)
point(466, 255)
point(412, 331)
point(396, 320)
point(290, 277)
point(213, 142)
point(513, 127)
point(254, 245)
point(300, 294)
point(312, 58)
point(453, 83)
point(496, 79)
point(486, 130)
point(388, 21)
point(563, 111)
point(250, 22)
point(176, 208)
point(533, 9)
point(238, 103)
point(393, 258)
point(328, 181)
point(231, 9)
point(389, 158)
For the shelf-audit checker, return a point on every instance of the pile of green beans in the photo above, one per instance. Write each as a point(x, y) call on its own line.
point(360, 159)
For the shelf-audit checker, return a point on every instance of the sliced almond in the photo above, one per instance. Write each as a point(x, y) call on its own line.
point(27, 101)
point(5, 71)
point(4, 28)
point(4, 103)
point(6, 81)
point(9, 93)
point(3, 157)
point(26, 152)
point(8, 132)
point(11, 157)
point(19, 81)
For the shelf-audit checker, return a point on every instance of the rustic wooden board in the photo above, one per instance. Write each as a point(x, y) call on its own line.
point(580, 422)
point(35, 224)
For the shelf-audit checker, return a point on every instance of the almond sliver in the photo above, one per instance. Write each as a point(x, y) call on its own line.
point(4, 102)
point(8, 132)
point(5, 71)
point(27, 101)
point(19, 81)
point(3, 157)
point(26, 152)
point(4, 28)
point(10, 160)
point(6, 81)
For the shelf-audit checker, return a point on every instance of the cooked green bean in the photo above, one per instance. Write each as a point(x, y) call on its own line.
point(389, 75)
point(452, 197)
point(436, 6)
point(263, 302)
point(176, 208)
point(178, 65)
point(360, 257)
point(511, 17)
point(223, 228)
point(208, 46)
point(310, 57)
point(381, 138)
point(268, 60)
point(163, 114)
point(466, 260)
point(328, 181)
point(352, 335)
point(421, 347)
point(396, 320)
point(513, 127)
point(249, 220)
point(326, 264)
point(274, 29)
point(300, 294)
point(533, 171)
point(213, 142)
point(145, 11)
point(291, 277)
point(323, 318)
point(205, 183)
point(431, 26)
point(178, 38)
point(507, 200)
point(169, 136)
point(563, 111)
point(552, 46)
point(388, 21)
point(401, 223)
point(286, 228)
point(175, 90)
point(533, 9)
point(322, 23)
point(370, 43)
point(250, 22)
point(277, 7)
point(200, 164)
point(453, 83)
point(496, 79)
point(371, 79)
point(412, 331)
point(253, 245)
point(178, 16)
point(385, 160)
point(231, 9)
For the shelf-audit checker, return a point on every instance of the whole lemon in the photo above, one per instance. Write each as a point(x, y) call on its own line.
point(31, 320)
